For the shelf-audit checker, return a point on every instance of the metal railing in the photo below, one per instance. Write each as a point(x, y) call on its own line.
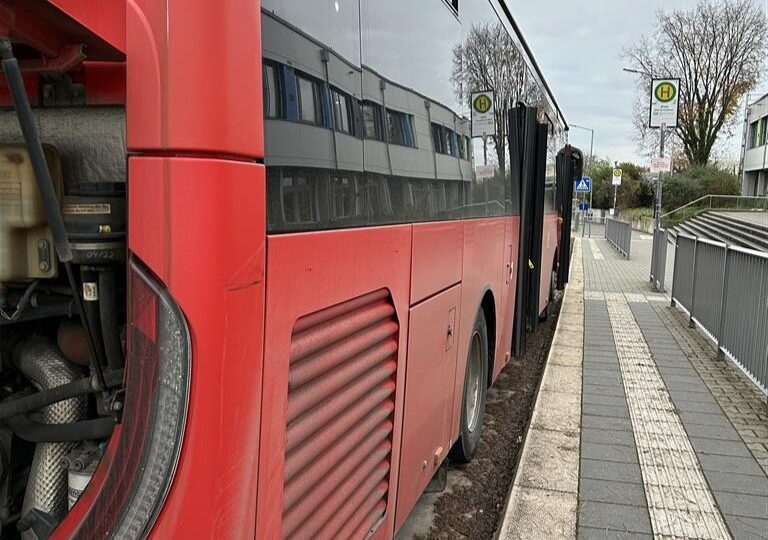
point(619, 233)
point(725, 290)
point(713, 202)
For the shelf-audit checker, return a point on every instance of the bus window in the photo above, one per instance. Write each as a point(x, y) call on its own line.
point(272, 108)
point(372, 121)
point(310, 101)
point(341, 112)
point(298, 198)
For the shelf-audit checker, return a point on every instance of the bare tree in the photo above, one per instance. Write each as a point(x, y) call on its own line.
point(489, 60)
point(717, 51)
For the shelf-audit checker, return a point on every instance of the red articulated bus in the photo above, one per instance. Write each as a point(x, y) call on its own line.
point(253, 283)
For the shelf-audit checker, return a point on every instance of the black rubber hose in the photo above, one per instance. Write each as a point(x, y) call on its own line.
point(35, 432)
point(90, 281)
point(108, 314)
point(35, 148)
point(27, 404)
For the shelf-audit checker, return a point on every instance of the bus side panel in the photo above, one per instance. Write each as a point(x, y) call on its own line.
point(191, 221)
point(430, 377)
point(194, 77)
point(308, 273)
point(437, 258)
point(482, 271)
point(549, 247)
point(506, 310)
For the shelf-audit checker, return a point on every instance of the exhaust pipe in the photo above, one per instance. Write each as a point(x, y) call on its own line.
point(46, 495)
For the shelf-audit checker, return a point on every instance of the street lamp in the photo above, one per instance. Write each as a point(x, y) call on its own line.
point(591, 142)
point(591, 158)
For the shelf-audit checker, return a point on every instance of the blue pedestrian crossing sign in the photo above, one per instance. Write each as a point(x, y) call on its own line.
point(584, 185)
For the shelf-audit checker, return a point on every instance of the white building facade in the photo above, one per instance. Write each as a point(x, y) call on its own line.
point(755, 164)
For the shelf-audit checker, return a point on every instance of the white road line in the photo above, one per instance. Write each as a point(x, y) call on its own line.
point(679, 501)
point(596, 253)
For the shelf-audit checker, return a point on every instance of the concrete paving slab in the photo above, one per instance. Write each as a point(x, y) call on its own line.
point(539, 514)
point(552, 461)
point(615, 517)
point(558, 411)
point(625, 493)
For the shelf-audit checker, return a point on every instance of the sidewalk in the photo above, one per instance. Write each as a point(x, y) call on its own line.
point(639, 430)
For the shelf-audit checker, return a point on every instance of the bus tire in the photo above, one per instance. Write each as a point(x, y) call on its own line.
point(475, 387)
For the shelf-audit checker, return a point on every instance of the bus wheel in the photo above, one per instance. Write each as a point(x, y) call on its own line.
point(475, 386)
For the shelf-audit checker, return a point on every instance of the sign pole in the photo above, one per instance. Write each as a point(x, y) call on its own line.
point(664, 112)
point(590, 210)
point(657, 215)
point(615, 192)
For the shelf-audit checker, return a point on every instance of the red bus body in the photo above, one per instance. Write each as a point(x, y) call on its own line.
point(192, 85)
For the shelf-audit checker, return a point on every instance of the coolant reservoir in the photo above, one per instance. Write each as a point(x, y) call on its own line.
point(26, 242)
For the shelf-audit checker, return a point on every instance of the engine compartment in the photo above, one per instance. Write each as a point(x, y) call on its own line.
point(62, 324)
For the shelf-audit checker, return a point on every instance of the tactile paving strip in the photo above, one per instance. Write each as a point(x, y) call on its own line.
point(596, 253)
point(680, 503)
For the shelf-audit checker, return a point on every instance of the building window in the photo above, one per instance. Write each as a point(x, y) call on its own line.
point(400, 128)
point(298, 196)
point(438, 140)
point(310, 101)
point(761, 129)
point(344, 198)
point(272, 93)
point(462, 147)
point(341, 112)
point(469, 148)
point(372, 121)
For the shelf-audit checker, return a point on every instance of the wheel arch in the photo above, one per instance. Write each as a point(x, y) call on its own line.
point(488, 306)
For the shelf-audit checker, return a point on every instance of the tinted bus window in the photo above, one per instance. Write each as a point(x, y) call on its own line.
point(298, 197)
point(341, 112)
point(310, 104)
point(271, 92)
point(372, 121)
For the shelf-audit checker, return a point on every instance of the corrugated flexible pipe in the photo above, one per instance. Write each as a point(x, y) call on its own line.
point(42, 362)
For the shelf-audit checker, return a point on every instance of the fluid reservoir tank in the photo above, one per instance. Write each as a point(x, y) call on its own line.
point(26, 242)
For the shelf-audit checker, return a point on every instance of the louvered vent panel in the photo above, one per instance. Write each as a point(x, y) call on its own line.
point(341, 401)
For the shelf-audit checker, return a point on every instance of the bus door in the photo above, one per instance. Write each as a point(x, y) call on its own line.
point(527, 149)
point(570, 164)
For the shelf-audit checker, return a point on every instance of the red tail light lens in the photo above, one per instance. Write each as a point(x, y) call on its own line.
point(133, 479)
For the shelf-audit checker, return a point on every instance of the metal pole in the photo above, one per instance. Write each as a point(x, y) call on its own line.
point(657, 217)
point(485, 150)
point(591, 161)
point(723, 304)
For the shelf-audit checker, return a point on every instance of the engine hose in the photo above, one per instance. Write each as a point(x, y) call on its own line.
point(89, 306)
point(43, 364)
point(16, 405)
point(29, 430)
point(108, 315)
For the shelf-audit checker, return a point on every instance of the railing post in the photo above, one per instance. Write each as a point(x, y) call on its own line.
point(723, 304)
point(692, 324)
point(674, 276)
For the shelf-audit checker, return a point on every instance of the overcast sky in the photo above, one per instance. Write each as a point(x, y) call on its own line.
point(578, 44)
